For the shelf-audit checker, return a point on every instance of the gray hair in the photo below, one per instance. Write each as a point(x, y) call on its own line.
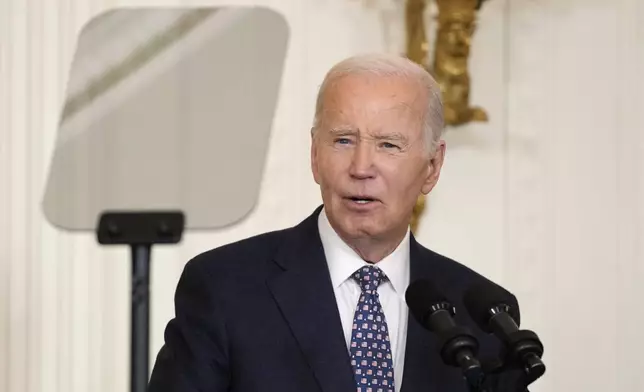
point(391, 65)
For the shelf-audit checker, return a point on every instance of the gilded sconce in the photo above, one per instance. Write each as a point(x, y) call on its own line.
point(456, 24)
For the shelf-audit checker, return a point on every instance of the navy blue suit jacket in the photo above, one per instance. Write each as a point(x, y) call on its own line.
point(260, 315)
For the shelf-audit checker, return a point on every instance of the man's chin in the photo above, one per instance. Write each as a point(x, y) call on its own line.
point(360, 225)
point(362, 228)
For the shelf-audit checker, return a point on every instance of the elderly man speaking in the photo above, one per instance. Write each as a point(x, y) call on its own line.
point(321, 306)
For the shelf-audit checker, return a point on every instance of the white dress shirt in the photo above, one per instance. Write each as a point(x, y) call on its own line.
point(343, 262)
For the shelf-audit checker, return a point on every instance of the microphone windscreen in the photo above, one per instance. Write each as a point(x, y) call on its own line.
point(422, 297)
point(485, 295)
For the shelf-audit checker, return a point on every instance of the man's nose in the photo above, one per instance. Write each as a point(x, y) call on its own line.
point(362, 164)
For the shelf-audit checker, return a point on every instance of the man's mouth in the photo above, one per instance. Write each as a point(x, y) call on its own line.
point(362, 199)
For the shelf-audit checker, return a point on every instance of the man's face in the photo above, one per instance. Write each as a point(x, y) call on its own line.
point(369, 155)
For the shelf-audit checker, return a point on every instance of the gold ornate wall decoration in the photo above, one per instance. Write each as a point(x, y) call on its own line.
point(456, 26)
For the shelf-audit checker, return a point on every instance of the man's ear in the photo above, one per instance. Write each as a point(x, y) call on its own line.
point(434, 168)
point(314, 156)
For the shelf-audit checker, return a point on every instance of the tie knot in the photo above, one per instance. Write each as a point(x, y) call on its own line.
point(369, 277)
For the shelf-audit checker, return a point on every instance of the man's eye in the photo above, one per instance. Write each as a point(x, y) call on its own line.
point(389, 145)
point(342, 140)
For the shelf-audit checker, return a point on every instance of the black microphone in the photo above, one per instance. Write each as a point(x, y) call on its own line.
point(458, 347)
point(491, 308)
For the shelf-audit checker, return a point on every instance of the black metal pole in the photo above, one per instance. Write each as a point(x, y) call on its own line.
point(140, 340)
point(140, 230)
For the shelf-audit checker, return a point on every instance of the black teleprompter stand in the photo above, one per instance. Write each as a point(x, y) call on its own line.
point(140, 230)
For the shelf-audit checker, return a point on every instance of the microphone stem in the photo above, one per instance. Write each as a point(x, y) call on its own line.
point(472, 370)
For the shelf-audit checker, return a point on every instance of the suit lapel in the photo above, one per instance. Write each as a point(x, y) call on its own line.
point(304, 293)
point(421, 356)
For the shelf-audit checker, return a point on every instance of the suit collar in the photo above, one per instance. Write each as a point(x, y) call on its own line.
point(422, 360)
point(309, 306)
point(303, 239)
point(304, 293)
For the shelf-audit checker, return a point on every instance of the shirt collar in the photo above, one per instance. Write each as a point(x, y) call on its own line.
point(344, 261)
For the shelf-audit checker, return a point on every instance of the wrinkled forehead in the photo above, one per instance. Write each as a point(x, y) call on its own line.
point(369, 98)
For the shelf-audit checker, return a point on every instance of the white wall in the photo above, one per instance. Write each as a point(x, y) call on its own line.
point(545, 198)
point(574, 180)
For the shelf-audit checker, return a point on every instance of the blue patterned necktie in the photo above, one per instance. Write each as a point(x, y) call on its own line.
point(370, 348)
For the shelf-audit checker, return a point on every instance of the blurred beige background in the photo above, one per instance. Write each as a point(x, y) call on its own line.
point(546, 198)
